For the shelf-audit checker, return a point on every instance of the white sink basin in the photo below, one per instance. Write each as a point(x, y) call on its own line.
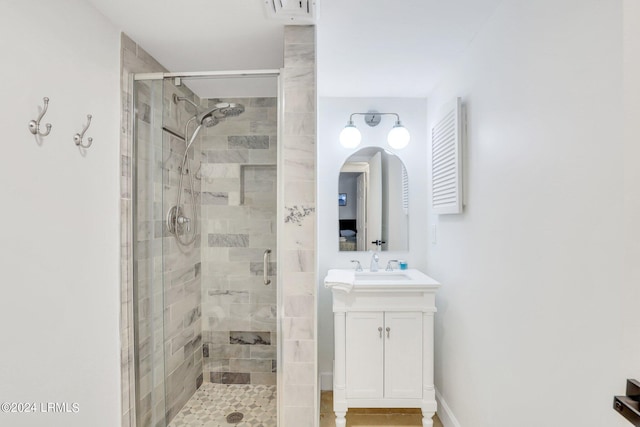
point(410, 277)
point(347, 280)
point(385, 276)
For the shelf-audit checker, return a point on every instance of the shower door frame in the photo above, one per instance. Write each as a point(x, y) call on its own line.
point(277, 73)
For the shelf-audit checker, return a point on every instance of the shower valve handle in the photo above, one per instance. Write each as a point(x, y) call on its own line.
point(184, 220)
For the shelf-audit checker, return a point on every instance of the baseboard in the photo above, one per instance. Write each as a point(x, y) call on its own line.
point(326, 381)
point(444, 412)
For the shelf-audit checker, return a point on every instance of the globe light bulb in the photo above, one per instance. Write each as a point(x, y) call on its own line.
point(350, 136)
point(399, 136)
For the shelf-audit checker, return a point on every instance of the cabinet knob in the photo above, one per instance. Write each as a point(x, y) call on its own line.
point(380, 331)
point(388, 331)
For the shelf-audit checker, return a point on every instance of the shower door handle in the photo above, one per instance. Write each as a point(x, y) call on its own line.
point(265, 269)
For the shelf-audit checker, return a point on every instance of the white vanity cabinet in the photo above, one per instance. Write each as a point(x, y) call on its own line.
point(384, 354)
point(384, 346)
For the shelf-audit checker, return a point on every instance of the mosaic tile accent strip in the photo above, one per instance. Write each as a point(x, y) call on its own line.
point(213, 403)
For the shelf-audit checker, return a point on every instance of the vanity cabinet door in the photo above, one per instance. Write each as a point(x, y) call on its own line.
point(403, 355)
point(364, 359)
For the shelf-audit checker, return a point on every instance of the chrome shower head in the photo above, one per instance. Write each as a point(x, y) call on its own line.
point(208, 118)
point(231, 109)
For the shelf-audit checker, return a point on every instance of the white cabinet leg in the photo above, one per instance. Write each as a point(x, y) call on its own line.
point(427, 419)
point(341, 421)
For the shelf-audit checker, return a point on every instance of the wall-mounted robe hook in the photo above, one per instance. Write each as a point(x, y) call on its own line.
point(77, 138)
point(34, 125)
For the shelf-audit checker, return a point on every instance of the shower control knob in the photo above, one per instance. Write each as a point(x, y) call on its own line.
point(184, 220)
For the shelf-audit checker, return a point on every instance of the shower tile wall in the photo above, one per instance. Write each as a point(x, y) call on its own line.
point(239, 214)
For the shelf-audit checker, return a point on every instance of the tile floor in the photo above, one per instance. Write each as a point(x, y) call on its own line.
point(371, 417)
point(212, 403)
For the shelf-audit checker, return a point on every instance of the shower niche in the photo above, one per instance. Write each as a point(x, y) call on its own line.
point(204, 216)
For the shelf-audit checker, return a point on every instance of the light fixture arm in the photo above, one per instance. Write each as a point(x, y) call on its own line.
point(373, 113)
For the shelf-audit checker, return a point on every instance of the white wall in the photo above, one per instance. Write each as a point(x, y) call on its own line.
point(530, 322)
point(333, 115)
point(59, 250)
point(631, 69)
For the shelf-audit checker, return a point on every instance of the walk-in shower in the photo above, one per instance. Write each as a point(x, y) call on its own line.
point(205, 292)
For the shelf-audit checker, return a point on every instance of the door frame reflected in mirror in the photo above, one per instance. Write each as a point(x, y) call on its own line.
point(377, 178)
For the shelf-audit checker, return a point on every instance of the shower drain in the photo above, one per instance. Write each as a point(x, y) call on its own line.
point(235, 417)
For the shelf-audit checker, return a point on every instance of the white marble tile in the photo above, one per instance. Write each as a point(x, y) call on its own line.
point(229, 127)
point(298, 328)
point(220, 170)
point(299, 237)
point(299, 394)
point(299, 55)
point(267, 157)
point(249, 365)
point(300, 123)
point(297, 169)
point(300, 101)
point(299, 79)
point(298, 415)
point(263, 351)
point(300, 192)
point(298, 260)
point(299, 351)
point(298, 305)
point(299, 373)
point(298, 283)
point(299, 34)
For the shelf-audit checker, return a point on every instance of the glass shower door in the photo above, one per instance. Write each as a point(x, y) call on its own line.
point(205, 205)
point(148, 232)
point(181, 248)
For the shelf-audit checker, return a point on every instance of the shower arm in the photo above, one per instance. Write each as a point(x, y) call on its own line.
point(177, 98)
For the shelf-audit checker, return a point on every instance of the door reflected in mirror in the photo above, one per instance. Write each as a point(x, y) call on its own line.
point(373, 202)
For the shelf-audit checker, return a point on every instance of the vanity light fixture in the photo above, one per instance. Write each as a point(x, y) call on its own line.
point(398, 136)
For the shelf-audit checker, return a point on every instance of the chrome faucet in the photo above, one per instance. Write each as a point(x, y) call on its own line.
point(358, 266)
point(374, 262)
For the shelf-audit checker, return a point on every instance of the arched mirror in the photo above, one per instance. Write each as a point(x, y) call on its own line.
point(373, 202)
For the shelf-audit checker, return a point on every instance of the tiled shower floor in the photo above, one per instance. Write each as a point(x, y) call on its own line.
point(212, 403)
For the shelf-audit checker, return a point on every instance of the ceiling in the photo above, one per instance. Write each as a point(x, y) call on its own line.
point(386, 48)
point(371, 48)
